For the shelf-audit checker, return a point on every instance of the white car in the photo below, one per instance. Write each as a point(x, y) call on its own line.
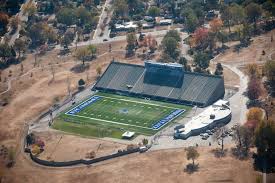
point(205, 136)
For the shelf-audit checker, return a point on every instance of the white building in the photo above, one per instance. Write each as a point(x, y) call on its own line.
point(212, 116)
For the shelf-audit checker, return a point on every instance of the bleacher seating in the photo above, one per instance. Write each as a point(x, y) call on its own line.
point(162, 81)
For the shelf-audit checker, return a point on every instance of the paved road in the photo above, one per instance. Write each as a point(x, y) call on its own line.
point(104, 14)
point(114, 39)
point(22, 18)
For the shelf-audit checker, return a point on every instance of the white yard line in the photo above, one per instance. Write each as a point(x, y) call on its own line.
point(115, 122)
point(133, 101)
point(107, 121)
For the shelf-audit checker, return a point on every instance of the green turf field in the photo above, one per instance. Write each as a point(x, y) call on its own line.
point(112, 115)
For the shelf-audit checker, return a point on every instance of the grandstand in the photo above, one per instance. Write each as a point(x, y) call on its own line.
point(159, 81)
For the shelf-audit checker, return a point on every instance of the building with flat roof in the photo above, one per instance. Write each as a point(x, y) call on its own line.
point(217, 114)
point(162, 81)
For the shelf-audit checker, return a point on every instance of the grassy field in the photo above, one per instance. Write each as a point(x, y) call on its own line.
point(111, 115)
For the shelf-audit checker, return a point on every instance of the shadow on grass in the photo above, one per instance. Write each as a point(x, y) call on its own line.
point(191, 168)
point(79, 68)
point(239, 154)
point(219, 153)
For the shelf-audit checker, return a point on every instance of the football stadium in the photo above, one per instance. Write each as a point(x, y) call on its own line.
point(140, 99)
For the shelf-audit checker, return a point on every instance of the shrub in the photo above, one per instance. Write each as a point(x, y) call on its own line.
point(81, 82)
point(255, 113)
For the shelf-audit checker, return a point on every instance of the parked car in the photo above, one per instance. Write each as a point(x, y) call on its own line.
point(205, 136)
point(179, 127)
point(209, 132)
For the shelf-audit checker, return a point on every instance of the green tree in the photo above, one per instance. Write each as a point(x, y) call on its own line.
point(202, 60)
point(153, 11)
point(14, 22)
point(92, 49)
point(170, 47)
point(191, 22)
point(37, 33)
point(254, 12)
point(264, 139)
point(183, 61)
point(219, 69)
point(269, 70)
point(131, 43)
point(174, 34)
point(81, 82)
point(81, 54)
point(192, 153)
point(121, 7)
point(5, 51)
point(191, 19)
point(67, 39)
point(83, 15)
point(66, 16)
point(145, 142)
point(20, 45)
point(237, 13)
point(226, 15)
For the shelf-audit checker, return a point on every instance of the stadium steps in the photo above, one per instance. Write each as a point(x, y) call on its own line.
point(164, 91)
point(108, 75)
point(207, 90)
point(177, 92)
point(195, 87)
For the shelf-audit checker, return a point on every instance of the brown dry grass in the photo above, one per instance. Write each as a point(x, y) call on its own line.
point(31, 95)
point(158, 166)
point(62, 147)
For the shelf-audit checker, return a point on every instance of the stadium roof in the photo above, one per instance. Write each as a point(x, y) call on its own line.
point(162, 81)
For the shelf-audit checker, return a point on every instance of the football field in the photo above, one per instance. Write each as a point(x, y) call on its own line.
point(112, 115)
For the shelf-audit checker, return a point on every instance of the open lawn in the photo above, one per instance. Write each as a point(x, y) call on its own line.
point(111, 115)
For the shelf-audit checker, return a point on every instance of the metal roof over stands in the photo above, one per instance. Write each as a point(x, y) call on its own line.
point(162, 81)
point(219, 112)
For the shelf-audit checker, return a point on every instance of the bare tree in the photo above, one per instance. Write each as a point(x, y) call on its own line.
point(68, 81)
point(22, 68)
point(52, 69)
point(87, 75)
point(192, 153)
point(243, 139)
point(219, 135)
point(35, 59)
point(98, 70)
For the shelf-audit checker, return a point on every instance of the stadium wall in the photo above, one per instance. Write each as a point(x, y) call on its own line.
point(151, 97)
point(80, 161)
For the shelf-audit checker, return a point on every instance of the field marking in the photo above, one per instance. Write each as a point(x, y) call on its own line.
point(113, 122)
point(133, 101)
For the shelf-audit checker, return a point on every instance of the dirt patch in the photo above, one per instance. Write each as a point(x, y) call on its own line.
point(251, 54)
point(231, 79)
point(62, 147)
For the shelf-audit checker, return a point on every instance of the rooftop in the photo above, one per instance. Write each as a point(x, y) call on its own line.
point(219, 110)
